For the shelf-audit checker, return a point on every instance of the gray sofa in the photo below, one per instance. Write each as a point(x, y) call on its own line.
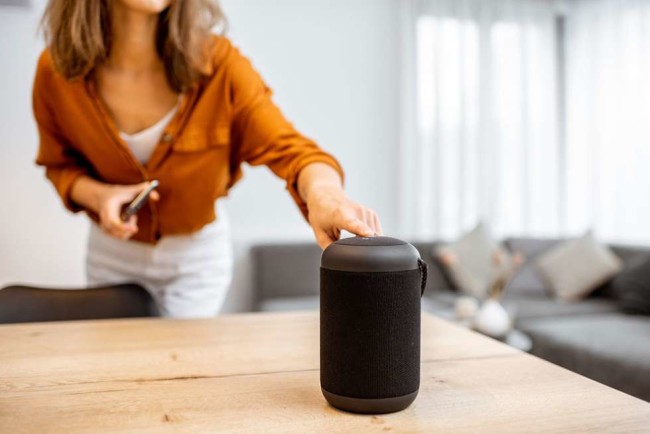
point(591, 337)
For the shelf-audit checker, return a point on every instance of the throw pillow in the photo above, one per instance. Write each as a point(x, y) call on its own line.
point(576, 267)
point(470, 261)
point(632, 288)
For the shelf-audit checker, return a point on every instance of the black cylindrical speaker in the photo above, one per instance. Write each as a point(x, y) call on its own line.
point(370, 324)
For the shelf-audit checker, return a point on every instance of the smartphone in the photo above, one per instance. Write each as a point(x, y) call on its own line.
point(139, 200)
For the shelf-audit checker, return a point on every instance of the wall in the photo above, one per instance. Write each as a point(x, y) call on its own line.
point(333, 66)
point(39, 242)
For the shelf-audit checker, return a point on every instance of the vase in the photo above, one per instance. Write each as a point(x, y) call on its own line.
point(492, 319)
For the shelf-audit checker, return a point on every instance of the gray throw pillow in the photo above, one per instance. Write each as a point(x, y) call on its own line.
point(472, 268)
point(632, 288)
point(575, 268)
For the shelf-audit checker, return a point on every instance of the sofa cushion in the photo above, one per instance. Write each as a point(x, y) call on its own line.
point(577, 267)
point(525, 307)
point(610, 348)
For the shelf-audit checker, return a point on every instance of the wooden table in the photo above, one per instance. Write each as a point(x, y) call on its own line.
point(258, 373)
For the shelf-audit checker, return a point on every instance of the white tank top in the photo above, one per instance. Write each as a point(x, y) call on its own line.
point(144, 142)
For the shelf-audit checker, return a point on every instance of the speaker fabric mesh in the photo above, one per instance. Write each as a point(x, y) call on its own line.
point(370, 333)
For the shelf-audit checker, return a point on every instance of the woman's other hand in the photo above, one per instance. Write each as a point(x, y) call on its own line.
point(112, 200)
point(107, 201)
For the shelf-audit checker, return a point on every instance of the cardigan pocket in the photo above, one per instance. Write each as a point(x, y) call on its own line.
point(202, 137)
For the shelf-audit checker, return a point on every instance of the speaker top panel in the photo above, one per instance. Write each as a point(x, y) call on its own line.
point(370, 254)
point(370, 241)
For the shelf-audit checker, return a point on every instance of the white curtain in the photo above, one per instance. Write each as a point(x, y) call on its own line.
point(480, 118)
point(608, 118)
point(534, 125)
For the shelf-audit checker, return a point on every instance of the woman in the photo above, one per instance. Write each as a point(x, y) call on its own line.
point(134, 90)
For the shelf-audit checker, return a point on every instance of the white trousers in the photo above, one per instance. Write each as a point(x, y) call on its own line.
point(188, 276)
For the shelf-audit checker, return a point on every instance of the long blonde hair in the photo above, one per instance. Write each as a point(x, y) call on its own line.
point(78, 36)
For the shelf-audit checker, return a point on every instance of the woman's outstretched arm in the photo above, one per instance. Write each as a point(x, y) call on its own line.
point(329, 209)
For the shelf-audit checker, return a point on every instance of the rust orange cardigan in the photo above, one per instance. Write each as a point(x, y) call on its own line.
point(225, 120)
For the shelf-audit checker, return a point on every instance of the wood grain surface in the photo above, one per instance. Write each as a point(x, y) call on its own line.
point(258, 373)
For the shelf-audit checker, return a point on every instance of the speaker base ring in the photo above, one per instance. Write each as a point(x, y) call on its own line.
point(369, 406)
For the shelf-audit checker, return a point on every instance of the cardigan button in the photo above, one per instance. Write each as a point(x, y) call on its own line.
point(167, 138)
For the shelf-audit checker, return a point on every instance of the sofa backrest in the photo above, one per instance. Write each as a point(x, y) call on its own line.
point(286, 270)
point(293, 270)
point(630, 254)
point(533, 247)
point(527, 280)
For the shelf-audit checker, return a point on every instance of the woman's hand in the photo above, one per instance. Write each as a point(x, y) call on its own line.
point(111, 201)
point(330, 210)
point(107, 202)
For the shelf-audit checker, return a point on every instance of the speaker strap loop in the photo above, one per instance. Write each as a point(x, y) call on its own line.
point(423, 270)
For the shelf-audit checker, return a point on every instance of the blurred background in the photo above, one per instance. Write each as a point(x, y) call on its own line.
point(532, 116)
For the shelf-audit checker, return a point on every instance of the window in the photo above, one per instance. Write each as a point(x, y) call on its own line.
point(486, 113)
